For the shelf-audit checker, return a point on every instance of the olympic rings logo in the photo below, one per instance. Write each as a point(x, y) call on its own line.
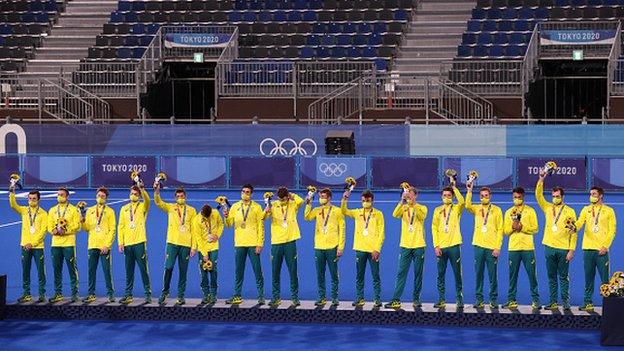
point(306, 147)
point(333, 169)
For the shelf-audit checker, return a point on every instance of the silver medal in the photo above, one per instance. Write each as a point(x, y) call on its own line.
point(411, 228)
point(32, 229)
point(182, 228)
point(484, 229)
point(132, 225)
point(446, 228)
point(97, 228)
point(554, 228)
point(365, 232)
point(596, 229)
point(284, 224)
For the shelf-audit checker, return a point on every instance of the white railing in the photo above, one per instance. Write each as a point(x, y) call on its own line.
point(344, 103)
point(459, 105)
point(529, 66)
point(614, 68)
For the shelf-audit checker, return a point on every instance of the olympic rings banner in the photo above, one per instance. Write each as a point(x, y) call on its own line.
point(52, 171)
point(571, 173)
point(332, 171)
point(8, 165)
point(114, 171)
point(608, 173)
point(388, 173)
point(262, 172)
point(495, 173)
point(194, 172)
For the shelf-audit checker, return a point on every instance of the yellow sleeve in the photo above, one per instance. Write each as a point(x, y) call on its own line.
point(51, 222)
point(194, 234)
point(499, 227)
point(539, 195)
point(398, 210)
point(86, 225)
point(381, 230)
point(460, 199)
point(229, 221)
point(434, 228)
point(111, 227)
point(41, 236)
point(532, 226)
point(146, 200)
point(421, 212)
point(611, 229)
point(574, 235)
point(507, 230)
point(345, 210)
point(343, 232)
point(309, 213)
point(260, 225)
point(469, 205)
point(160, 203)
point(73, 222)
point(17, 208)
point(581, 219)
point(218, 221)
point(298, 201)
point(121, 227)
point(196, 243)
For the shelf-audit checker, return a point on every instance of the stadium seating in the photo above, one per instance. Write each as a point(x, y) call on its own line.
point(274, 29)
point(501, 29)
point(22, 26)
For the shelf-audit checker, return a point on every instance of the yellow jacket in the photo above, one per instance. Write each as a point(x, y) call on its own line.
point(606, 226)
point(416, 213)
point(202, 227)
point(373, 240)
point(252, 234)
point(279, 233)
point(106, 235)
point(126, 235)
point(176, 212)
point(523, 240)
point(72, 215)
point(493, 238)
point(562, 238)
point(41, 224)
point(452, 237)
point(334, 236)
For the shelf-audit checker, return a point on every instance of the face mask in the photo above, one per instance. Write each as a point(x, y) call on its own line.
point(61, 199)
point(485, 201)
point(134, 198)
point(323, 201)
point(100, 201)
point(557, 200)
point(447, 200)
point(245, 197)
point(367, 204)
point(180, 201)
point(518, 202)
point(593, 199)
point(33, 203)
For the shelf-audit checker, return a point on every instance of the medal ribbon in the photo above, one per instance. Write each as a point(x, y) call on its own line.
point(181, 217)
point(596, 217)
point(32, 218)
point(559, 215)
point(98, 216)
point(447, 218)
point(486, 215)
point(133, 212)
point(366, 220)
point(326, 219)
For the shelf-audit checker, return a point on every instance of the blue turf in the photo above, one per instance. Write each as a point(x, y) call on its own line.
point(10, 254)
point(166, 336)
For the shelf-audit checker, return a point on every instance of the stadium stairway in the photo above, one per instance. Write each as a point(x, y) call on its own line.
point(433, 35)
point(70, 38)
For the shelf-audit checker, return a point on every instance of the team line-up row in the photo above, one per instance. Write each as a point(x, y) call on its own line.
point(190, 233)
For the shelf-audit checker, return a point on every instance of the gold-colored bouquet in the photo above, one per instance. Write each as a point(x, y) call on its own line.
point(405, 186)
point(472, 176)
point(451, 174)
point(267, 198)
point(61, 223)
point(615, 286)
point(161, 177)
point(515, 215)
point(136, 178)
point(82, 207)
point(351, 183)
point(222, 201)
point(569, 223)
point(550, 167)
point(311, 191)
point(14, 181)
point(207, 265)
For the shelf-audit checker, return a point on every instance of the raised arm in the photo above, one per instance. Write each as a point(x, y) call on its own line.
point(13, 202)
point(146, 200)
point(297, 200)
point(398, 210)
point(469, 205)
point(345, 209)
point(160, 203)
point(539, 195)
point(460, 199)
point(309, 213)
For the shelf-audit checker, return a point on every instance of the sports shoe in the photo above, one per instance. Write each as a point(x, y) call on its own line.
point(358, 303)
point(163, 299)
point(377, 304)
point(335, 302)
point(440, 304)
point(235, 300)
point(126, 300)
point(587, 308)
point(111, 298)
point(552, 307)
point(416, 304)
point(89, 298)
point(24, 298)
point(261, 301)
point(296, 303)
point(275, 302)
point(56, 298)
point(510, 305)
point(535, 305)
point(74, 298)
point(394, 304)
point(206, 299)
point(320, 302)
point(494, 305)
point(479, 305)
point(180, 301)
point(41, 299)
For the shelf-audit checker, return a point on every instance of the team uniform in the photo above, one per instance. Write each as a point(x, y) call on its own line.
point(412, 246)
point(131, 234)
point(446, 232)
point(329, 237)
point(521, 250)
point(203, 229)
point(600, 224)
point(284, 235)
point(486, 237)
point(64, 248)
point(100, 225)
point(179, 242)
point(558, 240)
point(248, 222)
point(369, 236)
point(34, 228)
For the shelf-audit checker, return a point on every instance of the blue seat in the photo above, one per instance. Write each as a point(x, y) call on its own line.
point(294, 16)
point(523, 49)
point(541, 13)
point(578, 2)
point(484, 38)
point(337, 52)
point(369, 52)
point(510, 13)
point(334, 28)
point(138, 6)
point(124, 6)
point(319, 28)
point(490, 26)
point(505, 26)
point(400, 15)
point(360, 39)
point(6, 29)
point(479, 13)
point(375, 39)
point(117, 17)
point(526, 13)
point(481, 51)
point(265, 16)
point(43, 18)
point(328, 40)
point(1, 41)
point(562, 3)
point(131, 41)
point(343, 40)
point(130, 17)
point(349, 27)
point(145, 40)
point(138, 28)
point(595, 2)
point(500, 38)
point(353, 52)
point(381, 64)
point(496, 51)
point(235, 16)
point(240, 5)
point(365, 28)
point(307, 52)
point(464, 51)
point(279, 16)
point(474, 26)
point(124, 53)
point(152, 28)
point(521, 25)
point(50, 6)
point(309, 16)
point(256, 5)
point(322, 52)
point(315, 4)
point(380, 27)
point(301, 4)
point(512, 51)
point(249, 16)
point(469, 38)
point(28, 17)
point(313, 40)
point(517, 38)
point(494, 13)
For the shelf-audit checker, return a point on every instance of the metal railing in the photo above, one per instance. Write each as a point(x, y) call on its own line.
point(613, 67)
point(618, 79)
point(404, 91)
point(590, 50)
point(342, 104)
point(107, 80)
point(529, 66)
point(461, 106)
point(100, 108)
point(485, 77)
point(63, 104)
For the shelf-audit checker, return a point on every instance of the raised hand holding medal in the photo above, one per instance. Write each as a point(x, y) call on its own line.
point(14, 182)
